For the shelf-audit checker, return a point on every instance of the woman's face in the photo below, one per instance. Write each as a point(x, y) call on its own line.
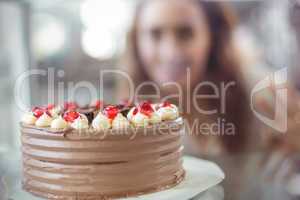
point(173, 35)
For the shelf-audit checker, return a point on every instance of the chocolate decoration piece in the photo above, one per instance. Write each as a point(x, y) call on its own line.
point(88, 112)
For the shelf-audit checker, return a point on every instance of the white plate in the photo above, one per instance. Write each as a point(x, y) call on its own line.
point(201, 175)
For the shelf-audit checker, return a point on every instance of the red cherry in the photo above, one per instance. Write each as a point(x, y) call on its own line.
point(70, 106)
point(111, 111)
point(98, 104)
point(135, 111)
point(166, 104)
point(50, 106)
point(146, 108)
point(70, 116)
point(37, 112)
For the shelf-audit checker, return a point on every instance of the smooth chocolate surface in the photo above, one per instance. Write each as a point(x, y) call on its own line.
point(89, 164)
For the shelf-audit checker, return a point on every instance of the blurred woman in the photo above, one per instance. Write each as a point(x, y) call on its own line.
point(192, 42)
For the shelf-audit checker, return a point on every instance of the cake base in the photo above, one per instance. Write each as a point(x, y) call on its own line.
point(200, 176)
point(97, 196)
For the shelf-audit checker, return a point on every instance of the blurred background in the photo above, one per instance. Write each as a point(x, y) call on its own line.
point(77, 38)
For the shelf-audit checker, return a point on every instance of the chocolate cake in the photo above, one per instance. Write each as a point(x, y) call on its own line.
point(111, 156)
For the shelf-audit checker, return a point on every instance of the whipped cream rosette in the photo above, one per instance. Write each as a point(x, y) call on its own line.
point(140, 119)
point(101, 122)
point(120, 122)
point(54, 110)
point(42, 116)
point(143, 115)
point(44, 120)
point(59, 123)
point(38, 116)
point(76, 120)
point(167, 111)
point(80, 123)
point(29, 118)
point(110, 118)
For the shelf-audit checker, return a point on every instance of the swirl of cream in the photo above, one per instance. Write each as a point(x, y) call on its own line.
point(59, 123)
point(80, 123)
point(101, 122)
point(155, 118)
point(140, 119)
point(168, 112)
point(28, 118)
point(120, 122)
point(130, 113)
point(44, 120)
point(56, 111)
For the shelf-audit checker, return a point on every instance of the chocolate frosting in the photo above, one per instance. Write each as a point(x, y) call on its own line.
point(72, 164)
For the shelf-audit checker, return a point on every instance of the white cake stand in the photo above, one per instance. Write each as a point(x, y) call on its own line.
point(201, 183)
